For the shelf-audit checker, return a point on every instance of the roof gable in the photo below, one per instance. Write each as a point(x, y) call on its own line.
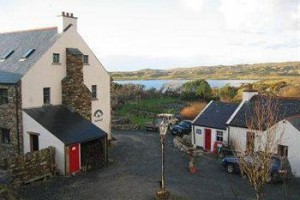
point(216, 115)
point(295, 121)
point(20, 42)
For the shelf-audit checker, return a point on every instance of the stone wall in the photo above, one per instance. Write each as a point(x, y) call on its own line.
point(74, 93)
point(11, 119)
point(31, 166)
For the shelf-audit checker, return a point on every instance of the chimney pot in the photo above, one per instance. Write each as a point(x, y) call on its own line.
point(67, 14)
point(63, 14)
point(71, 14)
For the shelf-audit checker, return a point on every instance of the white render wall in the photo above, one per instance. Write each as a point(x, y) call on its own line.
point(200, 138)
point(45, 74)
point(46, 139)
point(291, 138)
point(286, 134)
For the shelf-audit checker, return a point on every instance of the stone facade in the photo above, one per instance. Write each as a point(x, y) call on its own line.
point(11, 119)
point(31, 166)
point(74, 93)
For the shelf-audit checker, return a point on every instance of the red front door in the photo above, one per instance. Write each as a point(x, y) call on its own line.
point(207, 139)
point(74, 157)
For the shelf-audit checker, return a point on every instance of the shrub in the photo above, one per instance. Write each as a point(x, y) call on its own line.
point(291, 92)
point(192, 110)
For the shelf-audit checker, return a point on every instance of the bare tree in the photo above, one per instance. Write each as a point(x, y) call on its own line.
point(262, 139)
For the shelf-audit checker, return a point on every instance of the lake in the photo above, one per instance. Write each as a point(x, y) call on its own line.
point(158, 84)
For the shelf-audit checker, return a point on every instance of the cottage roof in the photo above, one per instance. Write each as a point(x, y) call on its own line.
point(216, 115)
point(285, 107)
point(67, 126)
point(17, 44)
point(295, 121)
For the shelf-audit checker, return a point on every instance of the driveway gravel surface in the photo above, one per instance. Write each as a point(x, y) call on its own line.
point(135, 174)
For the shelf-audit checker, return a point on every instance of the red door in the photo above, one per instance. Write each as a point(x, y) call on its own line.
point(207, 139)
point(74, 157)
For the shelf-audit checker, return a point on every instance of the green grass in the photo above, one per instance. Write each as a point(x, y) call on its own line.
point(147, 109)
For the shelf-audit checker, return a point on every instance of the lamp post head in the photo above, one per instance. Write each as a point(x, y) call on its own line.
point(163, 128)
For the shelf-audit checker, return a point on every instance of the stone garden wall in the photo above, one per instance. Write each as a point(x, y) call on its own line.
point(31, 166)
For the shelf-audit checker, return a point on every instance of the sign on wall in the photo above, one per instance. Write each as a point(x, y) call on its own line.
point(98, 115)
point(198, 131)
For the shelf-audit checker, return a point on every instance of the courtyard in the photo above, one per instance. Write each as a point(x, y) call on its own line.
point(135, 174)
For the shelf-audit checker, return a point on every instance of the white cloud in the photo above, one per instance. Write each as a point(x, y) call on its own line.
point(155, 33)
point(194, 5)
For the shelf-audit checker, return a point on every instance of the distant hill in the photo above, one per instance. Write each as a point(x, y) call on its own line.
point(241, 71)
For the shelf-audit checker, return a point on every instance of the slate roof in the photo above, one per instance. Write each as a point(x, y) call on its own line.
point(286, 107)
point(9, 78)
point(20, 42)
point(67, 126)
point(216, 115)
point(295, 121)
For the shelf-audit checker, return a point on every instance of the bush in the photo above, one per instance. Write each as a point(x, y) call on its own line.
point(192, 110)
point(197, 89)
point(291, 92)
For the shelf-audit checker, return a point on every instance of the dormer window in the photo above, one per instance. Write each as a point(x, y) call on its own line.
point(55, 58)
point(6, 55)
point(85, 59)
point(27, 54)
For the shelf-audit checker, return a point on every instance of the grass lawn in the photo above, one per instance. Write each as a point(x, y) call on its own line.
point(147, 109)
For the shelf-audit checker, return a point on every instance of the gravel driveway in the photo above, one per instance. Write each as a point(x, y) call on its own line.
point(135, 174)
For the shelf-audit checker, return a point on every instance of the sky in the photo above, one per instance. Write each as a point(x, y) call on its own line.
point(129, 35)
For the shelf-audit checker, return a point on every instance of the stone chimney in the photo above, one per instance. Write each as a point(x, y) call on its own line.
point(249, 93)
point(68, 20)
point(75, 95)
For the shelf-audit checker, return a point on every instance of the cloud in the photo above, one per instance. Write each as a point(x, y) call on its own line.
point(260, 15)
point(194, 5)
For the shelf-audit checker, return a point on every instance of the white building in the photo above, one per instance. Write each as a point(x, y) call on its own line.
point(61, 94)
point(286, 127)
point(210, 126)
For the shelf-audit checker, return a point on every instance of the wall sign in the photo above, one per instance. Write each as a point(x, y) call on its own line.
point(98, 114)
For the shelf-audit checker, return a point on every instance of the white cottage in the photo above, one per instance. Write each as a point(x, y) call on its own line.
point(54, 92)
point(286, 127)
point(210, 127)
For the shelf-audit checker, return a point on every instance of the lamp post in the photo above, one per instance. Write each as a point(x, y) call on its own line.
point(163, 194)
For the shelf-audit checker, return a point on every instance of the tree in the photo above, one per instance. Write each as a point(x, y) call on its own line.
point(197, 89)
point(227, 93)
point(262, 140)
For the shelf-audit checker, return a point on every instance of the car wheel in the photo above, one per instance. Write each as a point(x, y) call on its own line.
point(270, 179)
point(230, 168)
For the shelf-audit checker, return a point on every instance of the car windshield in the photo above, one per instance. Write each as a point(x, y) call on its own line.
point(184, 123)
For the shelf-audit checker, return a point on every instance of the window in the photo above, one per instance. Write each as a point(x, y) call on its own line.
point(220, 136)
point(282, 150)
point(27, 54)
point(94, 91)
point(5, 136)
point(3, 96)
point(6, 55)
point(34, 142)
point(85, 59)
point(55, 58)
point(198, 131)
point(250, 141)
point(46, 92)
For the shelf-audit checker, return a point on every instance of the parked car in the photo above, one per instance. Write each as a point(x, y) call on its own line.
point(280, 168)
point(183, 128)
point(170, 119)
